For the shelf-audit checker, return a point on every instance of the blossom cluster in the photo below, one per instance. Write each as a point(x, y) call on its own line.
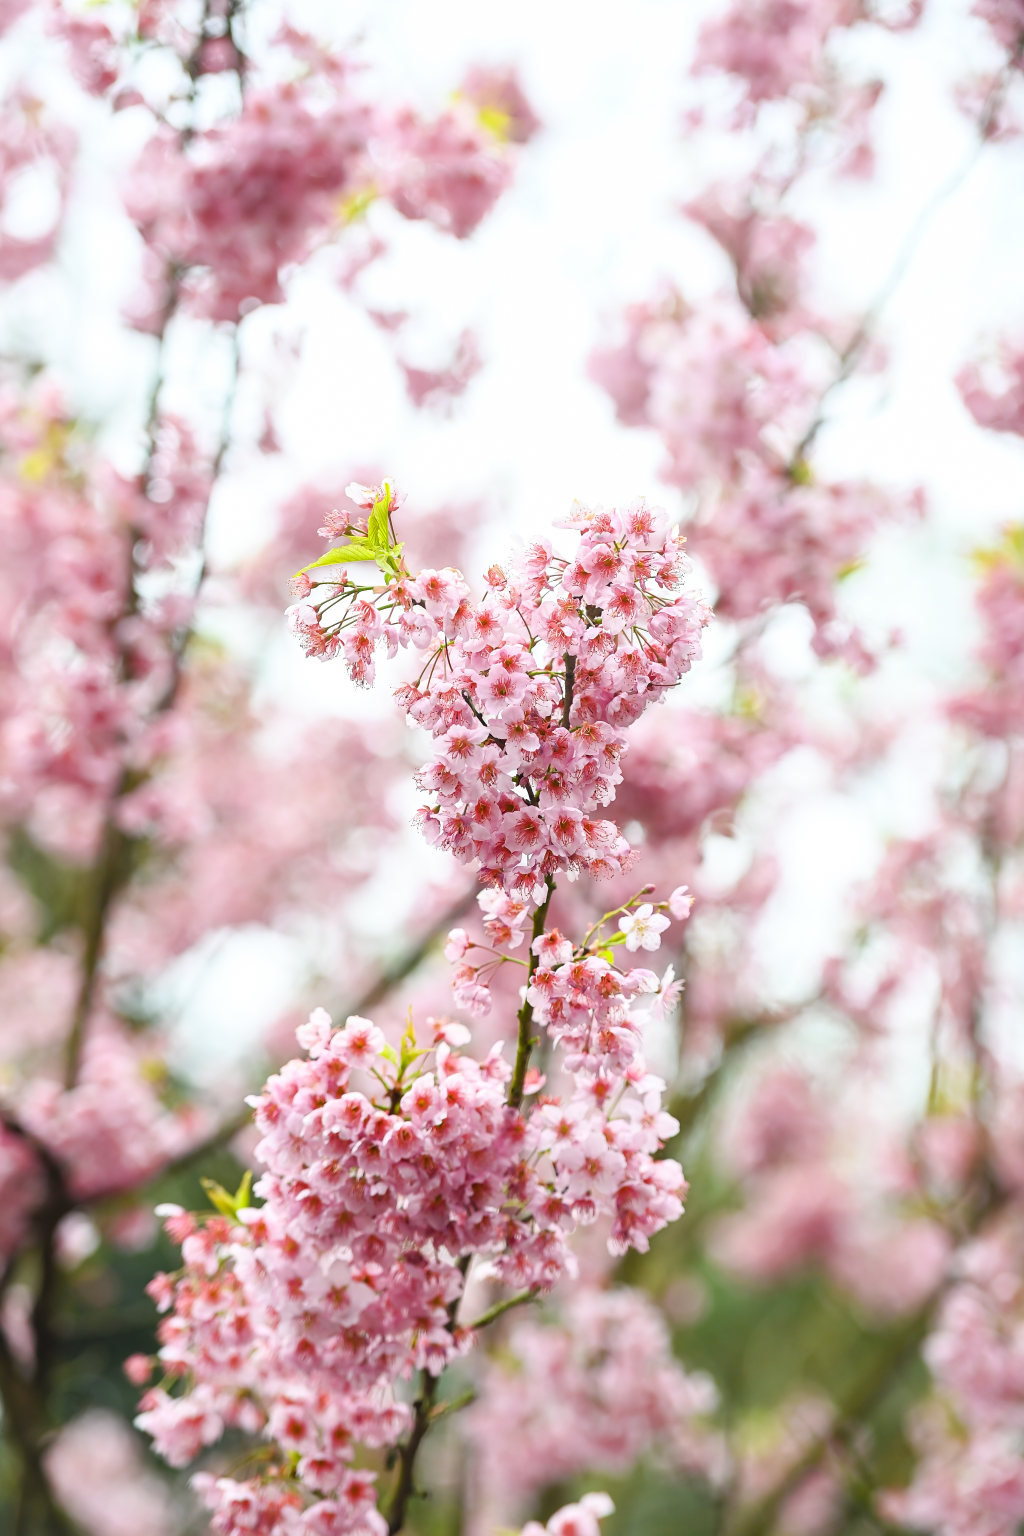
point(528, 692)
point(598, 1387)
point(297, 1316)
point(970, 1477)
point(225, 214)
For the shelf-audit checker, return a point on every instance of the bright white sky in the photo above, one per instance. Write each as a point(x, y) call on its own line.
point(589, 225)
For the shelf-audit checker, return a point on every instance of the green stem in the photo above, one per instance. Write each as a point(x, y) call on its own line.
point(453, 1405)
point(570, 683)
point(526, 1040)
point(501, 1307)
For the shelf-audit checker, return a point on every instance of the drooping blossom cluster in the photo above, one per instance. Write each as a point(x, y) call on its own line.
point(598, 1388)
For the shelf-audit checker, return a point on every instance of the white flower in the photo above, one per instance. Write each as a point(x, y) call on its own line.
point(644, 927)
point(679, 903)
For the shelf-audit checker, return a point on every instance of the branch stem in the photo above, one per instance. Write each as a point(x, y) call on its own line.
point(526, 1041)
point(404, 1488)
point(501, 1307)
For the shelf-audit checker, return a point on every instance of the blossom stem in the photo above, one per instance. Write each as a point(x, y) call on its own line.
point(570, 682)
point(526, 1042)
point(407, 1453)
point(425, 1412)
point(501, 1307)
point(442, 1410)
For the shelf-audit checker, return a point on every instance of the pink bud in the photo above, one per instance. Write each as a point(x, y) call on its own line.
point(138, 1369)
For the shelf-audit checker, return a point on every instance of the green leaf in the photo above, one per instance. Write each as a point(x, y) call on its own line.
point(377, 529)
point(390, 1054)
point(356, 549)
point(389, 560)
point(218, 1197)
point(229, 1205)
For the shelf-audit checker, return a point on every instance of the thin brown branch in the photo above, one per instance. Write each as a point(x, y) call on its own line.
point(570, 684)
point(404, 1488)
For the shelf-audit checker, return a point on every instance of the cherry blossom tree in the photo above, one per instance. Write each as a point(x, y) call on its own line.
point(447, 1282)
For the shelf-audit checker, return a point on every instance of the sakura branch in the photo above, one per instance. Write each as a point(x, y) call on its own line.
point(392, 1169)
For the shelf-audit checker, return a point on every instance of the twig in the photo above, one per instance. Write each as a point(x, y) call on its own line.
point(453, 1404)
point(407, 1454)
point(525, 1042)
point(570, 684)
point(424, 1414)
point(851, 353)
point(501, 1307)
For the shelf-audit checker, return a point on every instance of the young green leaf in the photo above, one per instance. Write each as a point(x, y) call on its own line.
point(218, 1197)
point(229, 1205)
point(356, 549)
point(377, 529)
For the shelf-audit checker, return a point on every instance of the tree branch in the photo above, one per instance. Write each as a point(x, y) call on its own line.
point(525, 1042)
point(424, 1414)
point(757, 1519)
point(408, 1452)
point(570, 684)
point(501, 1307)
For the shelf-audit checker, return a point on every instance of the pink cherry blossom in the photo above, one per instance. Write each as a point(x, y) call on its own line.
point(596, 1389)
point(574, 1519)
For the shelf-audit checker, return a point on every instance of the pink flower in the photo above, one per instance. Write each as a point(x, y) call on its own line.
point(359, 1043)
point(574, 1519)
point(551, 948)
point(458, 943)
point(138, 1369)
